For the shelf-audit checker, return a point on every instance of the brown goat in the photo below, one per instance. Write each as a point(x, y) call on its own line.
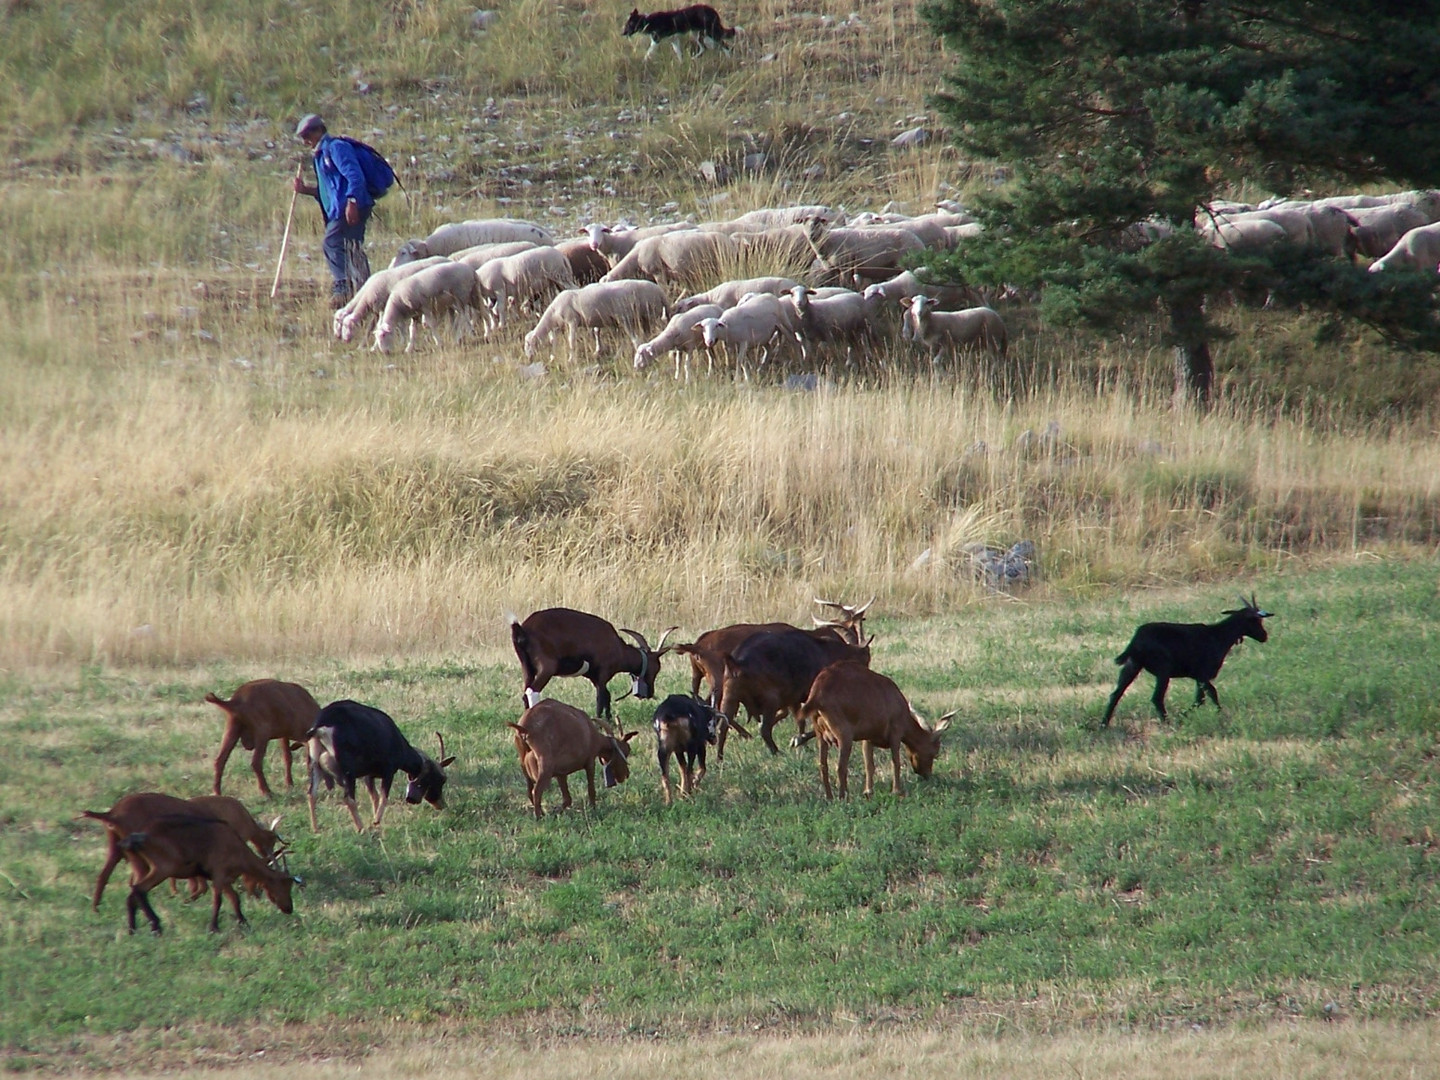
point(770, 674)
point(847, 702)
point(188, 845)
point(260, 711)
point(135, 813)
point(707, 652)
point(554, 740)
point(562, 641)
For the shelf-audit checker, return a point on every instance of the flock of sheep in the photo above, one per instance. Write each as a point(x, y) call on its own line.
point(668, 287)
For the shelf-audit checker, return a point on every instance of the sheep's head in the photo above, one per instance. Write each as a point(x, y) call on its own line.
point(712, 330)
point(644, 357)
point(384, 334)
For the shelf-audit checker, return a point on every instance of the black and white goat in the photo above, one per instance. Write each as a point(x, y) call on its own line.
point(683, 726)
point(1186, 651)
point(352, 742)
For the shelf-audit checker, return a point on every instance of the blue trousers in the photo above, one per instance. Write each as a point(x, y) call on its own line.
point(344, 247)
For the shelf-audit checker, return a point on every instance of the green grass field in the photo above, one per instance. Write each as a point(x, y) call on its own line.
point(200, 486)
point(1267, 861)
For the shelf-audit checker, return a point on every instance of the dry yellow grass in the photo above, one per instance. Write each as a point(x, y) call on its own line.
point(1300, 1051)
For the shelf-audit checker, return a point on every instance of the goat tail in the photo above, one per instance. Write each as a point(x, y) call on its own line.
point(213, 700)
point(102, 816)
point(1123, 658)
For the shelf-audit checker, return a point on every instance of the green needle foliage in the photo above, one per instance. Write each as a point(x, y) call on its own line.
point(1120, 118)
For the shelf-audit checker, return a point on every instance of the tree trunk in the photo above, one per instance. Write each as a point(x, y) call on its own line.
point(1194, 371)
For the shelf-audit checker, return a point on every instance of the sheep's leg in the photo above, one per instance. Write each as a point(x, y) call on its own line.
point(675, 44)
point(227, 743)
point(1127, 676)
point(257, 765)
point(1161, 685)
point(654, 44)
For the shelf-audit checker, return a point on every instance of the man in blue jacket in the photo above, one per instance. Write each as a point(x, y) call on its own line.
point(345, 201)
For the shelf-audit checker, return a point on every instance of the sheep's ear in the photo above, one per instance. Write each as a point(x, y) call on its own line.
point(447, 762)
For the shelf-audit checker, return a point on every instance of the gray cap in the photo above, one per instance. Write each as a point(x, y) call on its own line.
point(309, 122)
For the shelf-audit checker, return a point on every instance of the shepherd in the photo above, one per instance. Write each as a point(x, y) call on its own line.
point(349, 177)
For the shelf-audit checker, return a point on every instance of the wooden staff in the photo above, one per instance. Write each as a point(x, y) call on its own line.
point(285, 240)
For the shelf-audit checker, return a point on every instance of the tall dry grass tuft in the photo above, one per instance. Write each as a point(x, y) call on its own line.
point(168, 504)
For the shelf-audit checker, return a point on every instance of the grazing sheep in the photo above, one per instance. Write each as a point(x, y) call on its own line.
point(523, 279)
point(872, 254)
point(757, 319)
point(1419, 248)
point(615, 242)
point(845, 318)
point(1242, 235)
point(448, 287)
point(906, 285)
point(978, 327)
point(778, 218)
point(586, 264)
point(477, 256)
point(369, 300)
point(448, 239)
point(1379, 228)
point(677, 337)
point(728, 293)
point(633, 306)
point(688, 258)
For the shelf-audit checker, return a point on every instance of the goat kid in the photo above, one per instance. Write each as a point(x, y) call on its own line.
point(849, 702)
point(1186, 651)
point(699, 20)
point(563, 642)
point(351, 742)
point(554, 740)
point(187, 846)
point(683, 726)
point(260, 711)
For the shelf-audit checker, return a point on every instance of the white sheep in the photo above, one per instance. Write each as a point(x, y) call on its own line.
point(369, 300)
point(1379, 228)
point(522, 279)
point(978, 327)
point(687, 258)
point(758, 319)
point(677, 337)
point(847, 317)
point(906, 284)
point(1419, 248)
point(728, 293)
point(775, 218)
point(445, 288)
point(874, 253)
point(1244, 235)
point(617, 241)
point(458, 235)
point(633, 306)
point(477, 256)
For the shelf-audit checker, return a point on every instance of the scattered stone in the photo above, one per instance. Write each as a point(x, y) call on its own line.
point(484, 19)
point(1001, 569)
point(916, 136)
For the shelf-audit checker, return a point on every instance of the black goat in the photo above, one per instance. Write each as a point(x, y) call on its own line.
point(1186, 651)
point(683, 725)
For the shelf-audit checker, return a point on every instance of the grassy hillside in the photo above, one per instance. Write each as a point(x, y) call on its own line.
point(1270, 860)
point(198, 486)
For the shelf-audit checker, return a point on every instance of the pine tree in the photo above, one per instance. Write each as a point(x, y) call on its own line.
point(1119, 118)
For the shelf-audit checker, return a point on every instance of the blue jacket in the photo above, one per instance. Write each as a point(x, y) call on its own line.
point(339, 177)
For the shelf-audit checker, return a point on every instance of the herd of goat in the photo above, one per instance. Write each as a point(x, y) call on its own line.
point(666, 286)
point(821, 677)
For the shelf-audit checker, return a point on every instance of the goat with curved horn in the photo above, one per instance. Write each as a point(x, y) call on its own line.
point(560, 641)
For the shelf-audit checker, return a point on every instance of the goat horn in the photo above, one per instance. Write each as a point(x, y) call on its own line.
point(639, 639)
point(276, 822)
point(660, 645)
point(861, 610)
point(442, 745)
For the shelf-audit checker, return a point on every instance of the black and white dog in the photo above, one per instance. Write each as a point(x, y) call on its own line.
point(700, 20)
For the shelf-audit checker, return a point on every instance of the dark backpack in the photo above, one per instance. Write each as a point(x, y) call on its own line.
point(379, 175)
